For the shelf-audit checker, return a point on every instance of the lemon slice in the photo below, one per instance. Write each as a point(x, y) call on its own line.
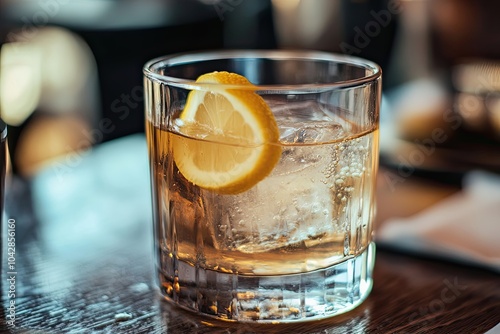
point(229, 137)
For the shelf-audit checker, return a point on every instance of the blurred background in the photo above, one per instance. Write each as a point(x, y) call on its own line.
point(71, 71)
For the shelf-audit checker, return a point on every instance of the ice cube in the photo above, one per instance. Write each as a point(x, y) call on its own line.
point(299, 111)
point(290, 219)
point(290, 207)
point(310, 132)
point(307, 122)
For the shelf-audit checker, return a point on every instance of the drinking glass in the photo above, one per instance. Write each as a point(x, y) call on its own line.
point(297, 245)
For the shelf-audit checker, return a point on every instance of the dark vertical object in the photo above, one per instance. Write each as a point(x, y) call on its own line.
point(369, 29)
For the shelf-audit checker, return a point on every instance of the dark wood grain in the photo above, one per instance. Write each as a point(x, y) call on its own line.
point(101, 287)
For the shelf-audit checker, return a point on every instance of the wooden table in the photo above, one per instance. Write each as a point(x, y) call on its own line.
point(98, 278)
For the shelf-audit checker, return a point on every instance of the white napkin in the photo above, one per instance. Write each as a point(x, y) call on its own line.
point(464, 227)
point(494, 330)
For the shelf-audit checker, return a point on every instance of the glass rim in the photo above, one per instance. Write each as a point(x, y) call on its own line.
point(207, 55)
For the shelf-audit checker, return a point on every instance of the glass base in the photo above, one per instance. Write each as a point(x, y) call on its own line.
point(270, 299)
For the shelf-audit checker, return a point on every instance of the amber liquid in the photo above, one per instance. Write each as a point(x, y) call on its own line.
point(313, 211)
